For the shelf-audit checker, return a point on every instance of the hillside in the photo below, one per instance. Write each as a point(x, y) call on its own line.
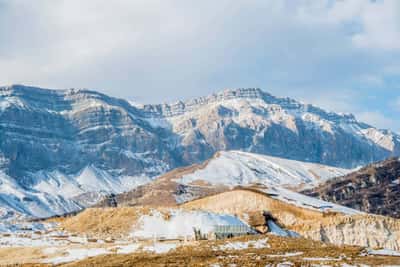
point(257, 207)
point(224, 170)
point(321, 221)
point(373, 189)
point(281, 222)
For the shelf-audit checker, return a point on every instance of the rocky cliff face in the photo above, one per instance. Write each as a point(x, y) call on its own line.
point(373, 189)
point(50, 137)
point(331, 227)
point(68, 130)
point(255, 121)
point(362, 230)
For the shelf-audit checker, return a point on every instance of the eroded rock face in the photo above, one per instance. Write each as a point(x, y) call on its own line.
point(360, 230)
point(255, 121)
point(373, 189)
point(70, 129)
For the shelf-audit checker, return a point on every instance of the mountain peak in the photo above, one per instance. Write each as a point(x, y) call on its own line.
point(227, 94)
point(23, 90)
point(242, 93)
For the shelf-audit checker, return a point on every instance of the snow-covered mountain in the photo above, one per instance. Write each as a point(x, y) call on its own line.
point(61, 148)
point(226, 170)
point(255, 121)
point(59, 193)
point(234, 168)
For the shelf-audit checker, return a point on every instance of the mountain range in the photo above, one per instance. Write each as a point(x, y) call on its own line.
point(61, 150)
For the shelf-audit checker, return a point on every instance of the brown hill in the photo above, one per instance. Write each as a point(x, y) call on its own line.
point(247, 204)
point(164, 191)
point(315, 224)
point(373, 189)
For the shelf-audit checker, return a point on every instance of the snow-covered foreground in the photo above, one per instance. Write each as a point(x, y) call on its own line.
point(241, 168)
point(24, 234)
point(60, 246)
point(75, 254)
point(261, 243)
point(57, 247)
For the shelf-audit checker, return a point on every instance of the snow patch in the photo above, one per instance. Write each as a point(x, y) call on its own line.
point(240, 168)
point(77, 254)
point(160, 247)
point(128, 248)
point(276, 230)
point(288, 254)
point(180, 224)
point(383, 252)
point(261, 243)
point(304, 201)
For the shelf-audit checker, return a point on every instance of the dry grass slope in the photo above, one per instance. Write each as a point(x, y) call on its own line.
point(203, 254)
point(241, 201)
point(104, 222)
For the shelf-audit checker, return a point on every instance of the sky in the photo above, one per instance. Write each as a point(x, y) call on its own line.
point(341, 55)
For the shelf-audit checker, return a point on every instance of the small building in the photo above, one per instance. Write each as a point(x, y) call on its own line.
point(224, 232)
point(229, 231)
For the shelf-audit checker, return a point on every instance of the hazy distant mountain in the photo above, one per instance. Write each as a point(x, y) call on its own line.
point(52, 137)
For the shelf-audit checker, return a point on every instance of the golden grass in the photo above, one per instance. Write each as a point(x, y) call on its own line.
point(26, 256)
point(104, 222)
point(203, 254)
point(240, 201)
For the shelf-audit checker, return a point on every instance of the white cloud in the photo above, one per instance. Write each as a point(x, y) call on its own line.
point(380, 22)
point(376, 23)
point(330, 12)
point(73, 43)
point(155, 50)
point(378, 119)
point(395, 104)
point(372, 80)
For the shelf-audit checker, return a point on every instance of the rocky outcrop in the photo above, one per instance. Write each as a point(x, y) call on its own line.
point(360, 230)
point(373, 189)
